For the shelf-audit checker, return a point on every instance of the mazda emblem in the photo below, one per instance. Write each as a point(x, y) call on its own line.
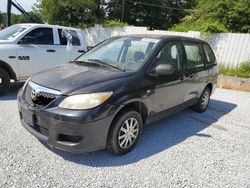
point(34, 94)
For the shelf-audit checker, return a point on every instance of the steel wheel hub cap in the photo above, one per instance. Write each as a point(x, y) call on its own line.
point(128, 133)
point(205, 99)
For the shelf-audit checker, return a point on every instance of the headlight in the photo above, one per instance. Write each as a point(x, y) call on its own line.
point(84, 101)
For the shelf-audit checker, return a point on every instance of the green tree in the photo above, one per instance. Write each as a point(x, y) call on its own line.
point(156, 14)
point(217, 16)
point(20, 18)
point(1, 18)
point(75, 13)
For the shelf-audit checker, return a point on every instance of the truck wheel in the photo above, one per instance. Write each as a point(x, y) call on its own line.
point(4, 81)
point(125, 132)
point(203, 101)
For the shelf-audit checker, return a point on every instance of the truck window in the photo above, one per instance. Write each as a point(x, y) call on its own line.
point(75, 39)
point(194, 56)
point(209, 54)
point(63, 40)
point(44, 36)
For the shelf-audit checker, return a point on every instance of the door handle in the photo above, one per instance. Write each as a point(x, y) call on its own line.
point(81, 51)
point(51, 50)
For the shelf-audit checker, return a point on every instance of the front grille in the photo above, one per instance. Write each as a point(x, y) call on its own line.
point(39, 98)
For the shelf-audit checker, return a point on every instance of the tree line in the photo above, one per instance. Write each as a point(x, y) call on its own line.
point(177, 15)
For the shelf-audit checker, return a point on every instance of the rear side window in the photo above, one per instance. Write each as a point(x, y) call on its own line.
point(75, 39)
point(63, 40)
point(44, 36)
point(194, 56)
point(209, 54)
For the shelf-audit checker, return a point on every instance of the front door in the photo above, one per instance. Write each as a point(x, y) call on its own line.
point(37, 55)
point(169, 89)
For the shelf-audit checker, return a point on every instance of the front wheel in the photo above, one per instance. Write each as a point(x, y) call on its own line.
point(203, 101)
point(125, 132)
point(4, 81)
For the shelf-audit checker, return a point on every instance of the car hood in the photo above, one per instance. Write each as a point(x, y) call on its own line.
point(70, 78)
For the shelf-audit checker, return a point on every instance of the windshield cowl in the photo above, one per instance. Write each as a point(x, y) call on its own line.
point(99, 63)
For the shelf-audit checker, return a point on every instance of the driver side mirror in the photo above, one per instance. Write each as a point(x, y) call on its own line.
point(28, 40)
point(164, 69)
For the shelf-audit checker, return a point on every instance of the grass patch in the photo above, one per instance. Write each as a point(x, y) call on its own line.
point(113, 23)
point(242, 71)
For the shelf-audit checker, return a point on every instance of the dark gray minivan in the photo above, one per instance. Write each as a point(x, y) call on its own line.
point(104, 97)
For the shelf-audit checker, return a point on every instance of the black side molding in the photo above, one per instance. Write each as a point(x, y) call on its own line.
point(51, 50)
point(81, 51)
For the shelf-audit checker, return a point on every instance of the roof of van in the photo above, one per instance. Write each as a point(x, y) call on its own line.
point(160, 37)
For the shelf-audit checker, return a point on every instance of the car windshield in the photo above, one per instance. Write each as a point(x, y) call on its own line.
point(126, 53)
point(11, 32)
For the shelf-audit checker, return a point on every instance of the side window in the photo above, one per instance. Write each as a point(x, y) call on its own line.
point(44, 36)
point(63, 40)
point(75, 39)
point(209, 54)
point(171, 54)
point(194, 56)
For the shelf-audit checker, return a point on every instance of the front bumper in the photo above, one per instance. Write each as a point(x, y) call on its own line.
point(68, 130)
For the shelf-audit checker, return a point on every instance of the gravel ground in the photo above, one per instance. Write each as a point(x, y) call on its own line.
point(186, 150)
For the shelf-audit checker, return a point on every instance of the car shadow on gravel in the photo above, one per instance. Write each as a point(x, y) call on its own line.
point(157, 137)
point(12, 93)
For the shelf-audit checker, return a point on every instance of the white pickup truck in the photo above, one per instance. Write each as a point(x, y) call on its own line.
point(29, 48)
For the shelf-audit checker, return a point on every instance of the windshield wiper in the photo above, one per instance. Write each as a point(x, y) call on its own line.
point(107, 64)
point(86, 62)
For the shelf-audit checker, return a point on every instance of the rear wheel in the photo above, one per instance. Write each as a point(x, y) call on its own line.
point(125, 132)
point(4, 81)
point(203, 101)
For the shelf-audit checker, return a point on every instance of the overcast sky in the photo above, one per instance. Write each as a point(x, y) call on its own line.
point(26, 4)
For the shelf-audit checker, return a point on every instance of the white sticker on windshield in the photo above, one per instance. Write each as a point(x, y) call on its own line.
point(149, 40)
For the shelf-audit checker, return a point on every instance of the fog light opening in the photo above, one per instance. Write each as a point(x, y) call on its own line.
point(69, 138)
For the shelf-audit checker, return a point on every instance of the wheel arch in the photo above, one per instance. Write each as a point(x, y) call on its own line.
point(8, 68)
point(210, 86)
point(136, 105)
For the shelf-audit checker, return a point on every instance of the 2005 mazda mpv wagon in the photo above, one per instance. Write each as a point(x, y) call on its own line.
point(104, 97)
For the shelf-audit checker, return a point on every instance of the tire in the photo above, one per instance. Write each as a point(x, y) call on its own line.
point(4, 81)
point(126, 142)
point(202, 104)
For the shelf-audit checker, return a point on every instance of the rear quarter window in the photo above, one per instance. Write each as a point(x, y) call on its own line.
point(194, 56)
point(209, 54)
